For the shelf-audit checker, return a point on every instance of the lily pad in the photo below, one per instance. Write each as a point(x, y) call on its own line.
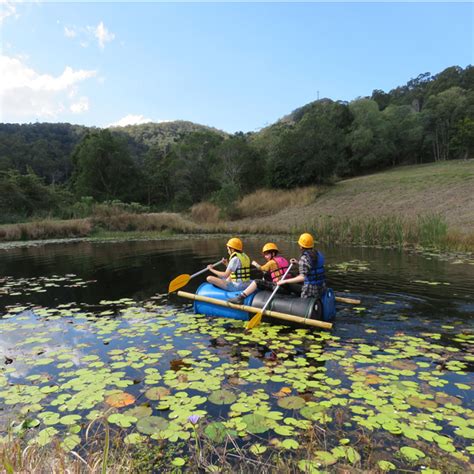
point(222, 397)
point(152, 424)
point(411, 454)
point(120, 399)
point(291, 403)
point(156, 393)
point(256, 423)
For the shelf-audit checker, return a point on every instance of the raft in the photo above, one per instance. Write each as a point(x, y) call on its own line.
point(307, 308)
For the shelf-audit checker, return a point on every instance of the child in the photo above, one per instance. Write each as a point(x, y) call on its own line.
point(311, 269)
point(236, 276)
point(275, 266)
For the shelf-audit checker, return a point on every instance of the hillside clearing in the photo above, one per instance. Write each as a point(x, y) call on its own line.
point(444, 188)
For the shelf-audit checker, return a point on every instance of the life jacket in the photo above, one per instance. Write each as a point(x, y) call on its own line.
point(242, 273)
point(282, 267)
point(316, 274)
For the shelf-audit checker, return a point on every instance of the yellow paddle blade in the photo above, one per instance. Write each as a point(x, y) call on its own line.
point(255, 321)
point(179, 282)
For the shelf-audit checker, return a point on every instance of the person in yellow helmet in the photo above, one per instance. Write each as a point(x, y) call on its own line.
point(275, 267)
point(311, 269)
point(236, 277)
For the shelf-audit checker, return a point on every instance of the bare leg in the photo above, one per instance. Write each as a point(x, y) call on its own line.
point(250, 289)
point(219, 282)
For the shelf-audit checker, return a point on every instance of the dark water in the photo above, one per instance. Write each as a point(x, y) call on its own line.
point(404, 297)
point(141, 269)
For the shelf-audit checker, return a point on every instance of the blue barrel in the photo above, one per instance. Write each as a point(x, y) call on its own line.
point(211, 291)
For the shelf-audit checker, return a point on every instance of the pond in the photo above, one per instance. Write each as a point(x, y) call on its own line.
point(87, 332)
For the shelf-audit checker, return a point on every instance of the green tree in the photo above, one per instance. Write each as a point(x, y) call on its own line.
point(23, 195)
point(441, 116)
point(402, 134)
point(312, 150)
point(190, 167)
point(366, 137)
point(239, 164)
point(104, 170)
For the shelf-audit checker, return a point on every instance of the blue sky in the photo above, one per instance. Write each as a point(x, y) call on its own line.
point(233, 66)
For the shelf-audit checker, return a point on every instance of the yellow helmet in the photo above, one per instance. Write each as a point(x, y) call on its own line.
point(306, 241)
point(235, 243)
point(269, 247)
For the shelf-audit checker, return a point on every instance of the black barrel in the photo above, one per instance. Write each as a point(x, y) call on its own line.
point(305, 307)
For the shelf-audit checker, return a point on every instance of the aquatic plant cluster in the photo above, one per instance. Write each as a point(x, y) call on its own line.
point(26, 286)
point(210, 394)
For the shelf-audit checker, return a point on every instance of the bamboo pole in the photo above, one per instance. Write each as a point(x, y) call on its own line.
point(347, 300)
point(251, 309)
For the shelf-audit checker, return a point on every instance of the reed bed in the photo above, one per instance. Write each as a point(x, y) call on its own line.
point(145, 222)
point(46, 229)
point(428, 231)
point(205, 213)
point(268, 201)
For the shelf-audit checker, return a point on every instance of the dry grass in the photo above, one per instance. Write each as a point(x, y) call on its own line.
point(268, 201)
point(205, 213)
point(46, 229)
point(145, 222)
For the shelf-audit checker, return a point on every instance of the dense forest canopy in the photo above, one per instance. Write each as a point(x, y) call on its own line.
point(52, 168)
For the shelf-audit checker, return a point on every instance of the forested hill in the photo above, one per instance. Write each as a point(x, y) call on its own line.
point(46, 148)
point(162, 134)
point(174, 165)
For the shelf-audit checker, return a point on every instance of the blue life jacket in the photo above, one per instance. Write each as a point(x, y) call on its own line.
point(316, 274)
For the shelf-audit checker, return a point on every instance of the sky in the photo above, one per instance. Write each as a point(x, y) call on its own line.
point(234, 66)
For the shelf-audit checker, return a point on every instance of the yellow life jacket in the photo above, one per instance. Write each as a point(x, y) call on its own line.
point(242, 273)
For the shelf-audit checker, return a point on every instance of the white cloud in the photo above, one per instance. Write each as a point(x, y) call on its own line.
point(70, 32)
point(103, 35)
point(28, 94)
point(86, 35)
point(7, 8)
point(82, 105)
point(131, 119)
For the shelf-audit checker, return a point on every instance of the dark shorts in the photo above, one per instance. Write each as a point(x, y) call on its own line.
point(291, 288)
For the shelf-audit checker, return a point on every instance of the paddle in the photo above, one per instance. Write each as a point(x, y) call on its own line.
point(255, 321)
point(183, 280)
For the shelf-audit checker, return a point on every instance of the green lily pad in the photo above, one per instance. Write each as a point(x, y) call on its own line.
point(256, 424)
point(386, 466)
point(152, 424)
point(139, 412)
point(411, 454)
point(156, 393)
point(325, 458)
point(222, 397)
point(289, 443)
point(291, 403)
point(257, 449)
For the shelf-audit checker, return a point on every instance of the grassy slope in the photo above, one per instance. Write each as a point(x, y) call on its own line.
point(445, 188)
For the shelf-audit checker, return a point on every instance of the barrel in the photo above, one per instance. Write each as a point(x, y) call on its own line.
point(211, 291)
point(305, 307)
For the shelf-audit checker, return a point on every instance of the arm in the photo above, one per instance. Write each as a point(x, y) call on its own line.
point(224, 274)
point(232, 265)
point(256, 265)
point(296, 279)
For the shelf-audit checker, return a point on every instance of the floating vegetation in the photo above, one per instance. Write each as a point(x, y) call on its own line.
point(350, 266)
point(156, 376)
point(26, 286)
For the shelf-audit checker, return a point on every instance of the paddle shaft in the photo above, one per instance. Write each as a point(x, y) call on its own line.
point(204, 269)
point(276, 289)
point(251, 309)
point(347, 300)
